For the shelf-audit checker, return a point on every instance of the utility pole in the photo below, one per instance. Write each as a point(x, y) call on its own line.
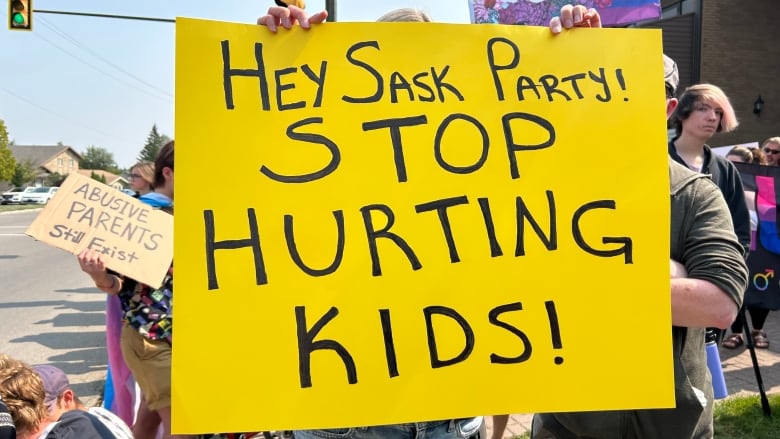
point(330, 6)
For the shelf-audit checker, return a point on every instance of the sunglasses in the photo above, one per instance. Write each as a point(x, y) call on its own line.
point(772, 151)
point(134, 176)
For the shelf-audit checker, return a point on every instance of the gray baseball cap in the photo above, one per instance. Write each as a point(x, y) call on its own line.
point(671, 74)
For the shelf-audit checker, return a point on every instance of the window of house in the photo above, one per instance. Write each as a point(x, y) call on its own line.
point(687, 6)
point(679, 8)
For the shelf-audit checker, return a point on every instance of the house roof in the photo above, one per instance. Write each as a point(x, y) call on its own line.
point(111, 178)
point(37, 155)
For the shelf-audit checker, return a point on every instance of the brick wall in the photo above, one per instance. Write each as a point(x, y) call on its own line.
point(741, 54)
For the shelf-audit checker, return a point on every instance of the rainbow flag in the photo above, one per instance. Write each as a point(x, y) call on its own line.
point(539, 12)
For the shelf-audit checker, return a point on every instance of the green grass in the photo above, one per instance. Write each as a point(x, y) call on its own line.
point(741, 417)
point(11, 207)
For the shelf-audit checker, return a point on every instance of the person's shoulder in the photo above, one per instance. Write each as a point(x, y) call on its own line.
point(681, 178)
point(113, 422)
point(78, 424)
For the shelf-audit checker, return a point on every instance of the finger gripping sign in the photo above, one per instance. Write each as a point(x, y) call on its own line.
point(131, 237)
point(398, 218)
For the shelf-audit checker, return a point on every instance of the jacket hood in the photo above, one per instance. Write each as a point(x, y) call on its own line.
point(156, 200)
point(680, 176)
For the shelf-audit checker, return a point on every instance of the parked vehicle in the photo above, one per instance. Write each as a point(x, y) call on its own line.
point(39, 195)
point(14, 195)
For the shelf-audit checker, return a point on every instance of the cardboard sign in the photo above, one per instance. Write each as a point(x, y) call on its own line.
point(133, 238)
point(401, 218)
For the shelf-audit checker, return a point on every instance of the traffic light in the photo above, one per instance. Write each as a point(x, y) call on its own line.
point(20, 14)
point(285, 3)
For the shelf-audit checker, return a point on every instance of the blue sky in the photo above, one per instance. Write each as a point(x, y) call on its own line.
point(93, 81)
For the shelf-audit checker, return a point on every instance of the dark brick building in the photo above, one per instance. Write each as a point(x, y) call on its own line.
point(734, 45)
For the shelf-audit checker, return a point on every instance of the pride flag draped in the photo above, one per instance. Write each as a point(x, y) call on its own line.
point(539, 12)
point(762, 189)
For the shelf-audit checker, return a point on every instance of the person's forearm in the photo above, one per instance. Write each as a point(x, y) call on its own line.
point(698, 303)
point(107, 282)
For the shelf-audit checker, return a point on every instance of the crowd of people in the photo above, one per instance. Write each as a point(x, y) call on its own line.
point(710, 239)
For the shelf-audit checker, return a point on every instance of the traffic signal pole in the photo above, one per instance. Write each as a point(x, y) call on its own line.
point(330, 6)
point(123, 17)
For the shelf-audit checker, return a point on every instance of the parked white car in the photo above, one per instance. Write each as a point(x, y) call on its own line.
point(39, 195)
point(14, 195)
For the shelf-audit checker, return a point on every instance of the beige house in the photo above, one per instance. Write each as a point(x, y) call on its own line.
point(47, 160)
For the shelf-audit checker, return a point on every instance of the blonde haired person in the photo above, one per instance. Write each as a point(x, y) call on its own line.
point(21, 390)
point(142, 177)
point(771, 149)
point(405, 14)
point(702, 111)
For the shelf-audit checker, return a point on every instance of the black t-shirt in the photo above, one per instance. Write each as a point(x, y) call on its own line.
point(78, 424)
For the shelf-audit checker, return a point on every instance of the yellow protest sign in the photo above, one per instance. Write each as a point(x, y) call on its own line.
point(133, 238)
point(385, 223)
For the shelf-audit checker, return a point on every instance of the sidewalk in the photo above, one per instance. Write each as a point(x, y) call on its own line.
point(737, 367)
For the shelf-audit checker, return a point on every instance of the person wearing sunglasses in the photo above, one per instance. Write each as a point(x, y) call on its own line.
point(771, 149)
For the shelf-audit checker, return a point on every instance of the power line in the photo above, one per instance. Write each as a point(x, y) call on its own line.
point(75, 42)
point(37, 34)
point(89, 14)
point(29, 102)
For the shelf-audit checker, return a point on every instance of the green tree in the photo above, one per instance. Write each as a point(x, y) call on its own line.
point(97, 158)
point(55, 179)
point(7, 161)
point(98, 177)
point(154, 141)
point(24, 174)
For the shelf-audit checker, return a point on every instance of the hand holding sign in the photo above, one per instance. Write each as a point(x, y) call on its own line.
point(128, 235)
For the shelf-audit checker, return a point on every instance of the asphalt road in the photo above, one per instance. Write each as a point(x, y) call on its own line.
point(50, 312)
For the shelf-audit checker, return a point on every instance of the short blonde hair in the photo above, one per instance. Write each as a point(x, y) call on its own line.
point(406, 14)
point(21, 389)
point(705, 93)
point(771, 140)
point(146, 170)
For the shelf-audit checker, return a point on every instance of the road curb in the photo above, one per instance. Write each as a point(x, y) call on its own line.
point(13, 212)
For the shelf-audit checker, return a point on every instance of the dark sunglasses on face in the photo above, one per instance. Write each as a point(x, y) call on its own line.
point(772, 151)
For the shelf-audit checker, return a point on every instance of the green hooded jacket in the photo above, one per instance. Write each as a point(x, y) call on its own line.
point(703, 240)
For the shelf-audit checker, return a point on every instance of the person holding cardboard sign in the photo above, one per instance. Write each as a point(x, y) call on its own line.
point(148, 330)
point(146, 421)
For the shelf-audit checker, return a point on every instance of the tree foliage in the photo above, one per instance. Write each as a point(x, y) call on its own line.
point(154, 141)
point(98, 158)
point(99, 177)
point(7, 161)
point(24, 174)
point(55, 179)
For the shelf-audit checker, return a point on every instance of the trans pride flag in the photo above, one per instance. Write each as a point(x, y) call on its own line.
point(762, 190)
point(539, 12)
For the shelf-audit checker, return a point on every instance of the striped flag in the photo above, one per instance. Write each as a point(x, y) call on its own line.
point(762, 189)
